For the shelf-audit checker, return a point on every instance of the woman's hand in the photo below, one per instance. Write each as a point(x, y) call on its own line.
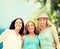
point(58, 46)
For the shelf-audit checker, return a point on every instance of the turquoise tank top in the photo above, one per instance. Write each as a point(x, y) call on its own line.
point(31, 43)
point(46, 39)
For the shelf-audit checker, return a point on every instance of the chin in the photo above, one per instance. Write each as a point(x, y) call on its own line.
point(31, 31)
point(18, 28)
point(42, 25)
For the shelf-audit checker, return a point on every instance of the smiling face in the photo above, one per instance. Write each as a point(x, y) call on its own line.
point(42, 22)
point(30, 27)
point(18, 24)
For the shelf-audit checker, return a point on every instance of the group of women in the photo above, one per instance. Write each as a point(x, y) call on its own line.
point(43, 36)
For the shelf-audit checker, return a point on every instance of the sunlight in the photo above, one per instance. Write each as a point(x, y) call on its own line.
point(11, 9)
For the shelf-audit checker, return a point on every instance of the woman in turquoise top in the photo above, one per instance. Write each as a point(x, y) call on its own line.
point(30, 39)
point(47, 33)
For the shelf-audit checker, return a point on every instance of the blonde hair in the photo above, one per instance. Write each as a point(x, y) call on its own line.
point(49, 24)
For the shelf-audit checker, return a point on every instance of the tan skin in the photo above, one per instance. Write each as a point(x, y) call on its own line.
point(43, 23)
point(30, 28)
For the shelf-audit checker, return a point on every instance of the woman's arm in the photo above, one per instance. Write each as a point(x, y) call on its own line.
point(55, 34)
point(23, 37)
point(3, 35)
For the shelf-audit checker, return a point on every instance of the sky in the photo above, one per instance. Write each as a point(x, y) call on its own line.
point(11, 9)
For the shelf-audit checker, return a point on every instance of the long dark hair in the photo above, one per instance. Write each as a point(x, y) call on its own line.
point(13, 27)
point(27, 32)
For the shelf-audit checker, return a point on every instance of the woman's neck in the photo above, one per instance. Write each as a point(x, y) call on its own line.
point(44, 27)
point(32, 34)
point(16, 31)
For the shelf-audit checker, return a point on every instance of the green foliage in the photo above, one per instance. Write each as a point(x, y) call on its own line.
point(50, 7)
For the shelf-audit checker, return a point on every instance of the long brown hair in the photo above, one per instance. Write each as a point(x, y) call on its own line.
point(26, 30)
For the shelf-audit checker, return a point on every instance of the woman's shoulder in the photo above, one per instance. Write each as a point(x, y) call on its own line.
point(53, 29)
point(8, 30)
point(24, 37)
point(5, 33)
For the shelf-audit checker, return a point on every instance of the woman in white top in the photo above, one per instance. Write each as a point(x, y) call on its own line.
point(11, 37)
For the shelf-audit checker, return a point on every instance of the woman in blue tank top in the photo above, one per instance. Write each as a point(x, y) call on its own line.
point(30, 39)
point(47, 33)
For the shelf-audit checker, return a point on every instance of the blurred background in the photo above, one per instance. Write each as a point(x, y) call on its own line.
point(28, 10)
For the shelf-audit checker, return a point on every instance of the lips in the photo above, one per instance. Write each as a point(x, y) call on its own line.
point(31, 29)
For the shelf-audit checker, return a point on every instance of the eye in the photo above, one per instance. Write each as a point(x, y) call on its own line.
point(40, 19)
point(16, 22)
point(32, 25)
point(20, 22)
point(28, 25)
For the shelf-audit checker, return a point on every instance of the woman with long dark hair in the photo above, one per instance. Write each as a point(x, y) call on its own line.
point(11, 37)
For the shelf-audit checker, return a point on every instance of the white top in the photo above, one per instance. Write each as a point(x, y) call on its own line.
point(10, 40)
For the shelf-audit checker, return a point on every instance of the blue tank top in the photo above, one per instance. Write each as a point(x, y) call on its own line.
point(46, 39)
point(31, 43)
